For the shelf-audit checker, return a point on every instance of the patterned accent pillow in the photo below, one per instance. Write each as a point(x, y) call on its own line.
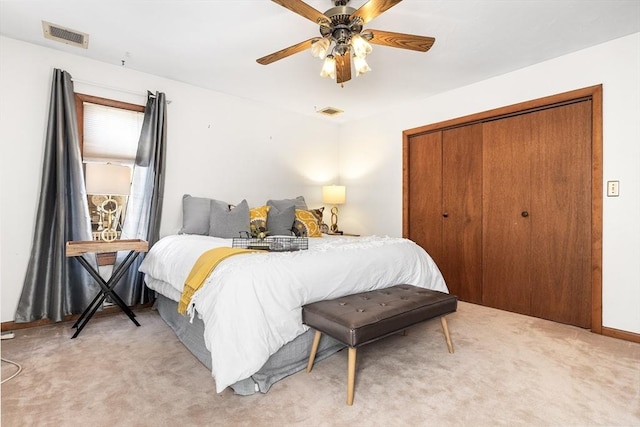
point(306, 223)
point(258, 219)
point(318, 214)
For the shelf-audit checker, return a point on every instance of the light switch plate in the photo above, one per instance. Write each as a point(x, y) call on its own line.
point(613, 188)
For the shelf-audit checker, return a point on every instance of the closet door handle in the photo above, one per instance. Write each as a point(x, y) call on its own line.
point(445, 215)
point(525, 214)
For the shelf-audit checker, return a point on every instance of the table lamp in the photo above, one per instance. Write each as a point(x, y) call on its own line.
point(109, 180)
point(334, 195)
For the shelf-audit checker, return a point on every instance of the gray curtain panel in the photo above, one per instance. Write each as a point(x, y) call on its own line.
point(54, 285)
point(144, 208)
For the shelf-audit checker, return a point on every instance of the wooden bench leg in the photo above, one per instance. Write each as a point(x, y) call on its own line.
point(314, 350)
point(351, 375)
point(445, 329)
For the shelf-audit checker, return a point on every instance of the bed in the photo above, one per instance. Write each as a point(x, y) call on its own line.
point(245, 324)
point(245, 321)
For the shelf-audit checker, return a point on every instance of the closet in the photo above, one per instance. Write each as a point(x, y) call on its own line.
point(504, 205)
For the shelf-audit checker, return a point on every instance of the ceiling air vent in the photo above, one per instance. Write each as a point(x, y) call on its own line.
point(65, 35)
point(330, 111)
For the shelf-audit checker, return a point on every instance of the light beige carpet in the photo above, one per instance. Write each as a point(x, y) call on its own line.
point(507, 369)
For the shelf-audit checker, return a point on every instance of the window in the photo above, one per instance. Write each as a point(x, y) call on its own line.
point(109, 131)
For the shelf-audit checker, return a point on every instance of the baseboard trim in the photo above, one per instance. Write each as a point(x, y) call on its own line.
point(623, 335)
point(107, 311)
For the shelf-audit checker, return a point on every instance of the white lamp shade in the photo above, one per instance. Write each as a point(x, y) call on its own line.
point(334, 194)
point(108, 179)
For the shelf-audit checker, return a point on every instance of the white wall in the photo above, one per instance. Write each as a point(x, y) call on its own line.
point(218, 146)
point(371, 155)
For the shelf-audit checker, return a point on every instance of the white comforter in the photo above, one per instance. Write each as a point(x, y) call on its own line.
point(251, 304)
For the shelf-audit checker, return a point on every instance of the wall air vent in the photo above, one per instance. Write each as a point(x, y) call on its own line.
point(330, 111)
point(65, 35)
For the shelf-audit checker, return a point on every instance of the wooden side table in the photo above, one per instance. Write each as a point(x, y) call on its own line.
point(77, 249)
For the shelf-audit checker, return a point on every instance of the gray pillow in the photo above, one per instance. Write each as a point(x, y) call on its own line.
point(298, 202)
point(195, 215)
point(228, 223)
point(280, 221)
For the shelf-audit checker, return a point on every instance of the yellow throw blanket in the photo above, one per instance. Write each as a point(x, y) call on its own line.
point(201, 270)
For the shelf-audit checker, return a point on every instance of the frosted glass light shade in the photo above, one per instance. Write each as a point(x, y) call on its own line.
point(320, 48)
point(361, 66)
point(329, 67)
point(108, 179)
point(334, 194)
point(361, 47)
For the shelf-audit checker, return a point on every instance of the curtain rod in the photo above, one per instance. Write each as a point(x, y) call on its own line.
point(103, 86)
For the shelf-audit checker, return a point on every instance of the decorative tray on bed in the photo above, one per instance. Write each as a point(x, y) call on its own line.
point(273, 244)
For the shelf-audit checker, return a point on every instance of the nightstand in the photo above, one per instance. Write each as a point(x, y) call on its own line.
point(77, 249)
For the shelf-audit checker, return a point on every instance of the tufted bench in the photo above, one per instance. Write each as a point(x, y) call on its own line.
point(359, 319)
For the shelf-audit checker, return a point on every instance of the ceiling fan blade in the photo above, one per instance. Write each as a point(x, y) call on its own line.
point(287, 51)
point(304, 10)
point(403, 41)
point(343, 68)
point(373, 8)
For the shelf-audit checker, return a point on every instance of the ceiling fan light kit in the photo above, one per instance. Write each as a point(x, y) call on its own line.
point(342, 37)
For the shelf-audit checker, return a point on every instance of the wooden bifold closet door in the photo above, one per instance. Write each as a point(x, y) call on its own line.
point(462, 210)
point(503, 205)
point(446, 204)
point(537, 213)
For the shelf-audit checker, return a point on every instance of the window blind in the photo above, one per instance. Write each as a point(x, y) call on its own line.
point(110, 134)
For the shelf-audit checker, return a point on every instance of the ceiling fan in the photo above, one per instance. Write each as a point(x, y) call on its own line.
point(342, 37)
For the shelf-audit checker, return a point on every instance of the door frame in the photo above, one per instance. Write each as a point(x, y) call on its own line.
point(592, 93)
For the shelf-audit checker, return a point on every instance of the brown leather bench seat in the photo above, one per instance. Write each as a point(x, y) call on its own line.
point(359, 319)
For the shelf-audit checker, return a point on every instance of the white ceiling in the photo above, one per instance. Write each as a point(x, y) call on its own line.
point(214, 44)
